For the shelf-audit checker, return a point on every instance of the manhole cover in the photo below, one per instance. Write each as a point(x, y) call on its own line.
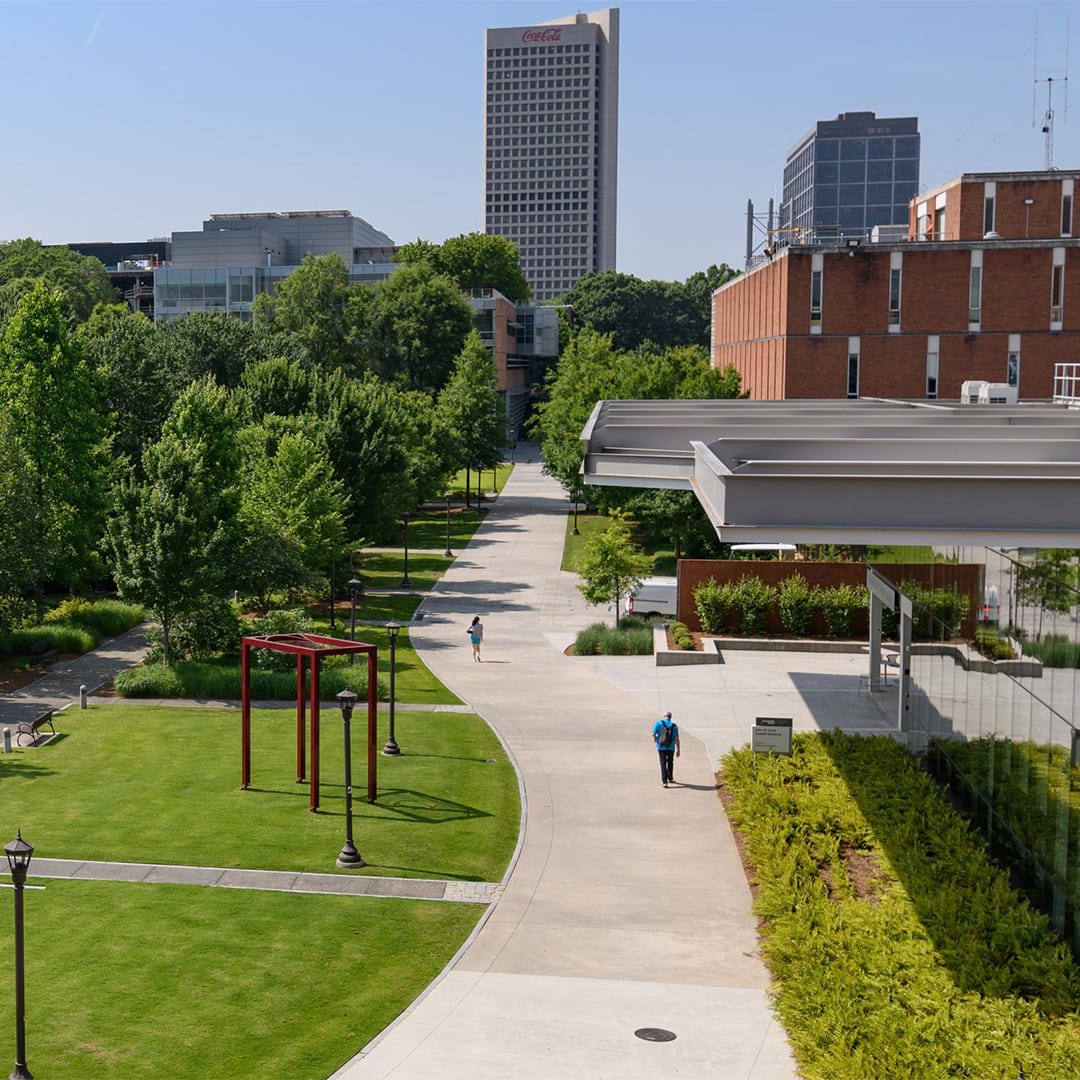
point(655, 1034)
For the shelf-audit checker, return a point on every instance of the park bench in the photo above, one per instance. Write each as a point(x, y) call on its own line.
point(33, 728)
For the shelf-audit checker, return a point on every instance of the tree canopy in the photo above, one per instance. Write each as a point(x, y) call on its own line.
point(475, 261)
point(81, 280)
point(636, 313)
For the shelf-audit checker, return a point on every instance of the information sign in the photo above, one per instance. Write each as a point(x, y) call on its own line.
point(771, 735)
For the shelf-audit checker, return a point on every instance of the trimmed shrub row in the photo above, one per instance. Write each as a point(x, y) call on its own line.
point(221, 681)
point(992, 645)
point(75, 626)
point(897, 948)
point(742, 606)
point(680, 634)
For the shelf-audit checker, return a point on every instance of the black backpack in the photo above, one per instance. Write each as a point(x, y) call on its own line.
point(666, 737)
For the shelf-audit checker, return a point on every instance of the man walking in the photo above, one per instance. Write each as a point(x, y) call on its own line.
point(666, 736)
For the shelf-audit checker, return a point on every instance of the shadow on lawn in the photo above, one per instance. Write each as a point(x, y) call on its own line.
point(18, 770)
point(425, 809)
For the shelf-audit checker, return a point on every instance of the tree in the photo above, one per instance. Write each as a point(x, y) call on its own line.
point(124, 350)
point(475, 261)
point(317, 308)
point(53, 401)
point(470, 411)
point(612, 565)
point(420, 321)
point(207, 343)
point(290, 489)
point(81, 280)
point(16, 508)
point(1049, 582)
point(660, 314)
point(173, 537)
point(278, 386)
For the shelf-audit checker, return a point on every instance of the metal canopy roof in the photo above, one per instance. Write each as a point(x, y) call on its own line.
point(865, 471)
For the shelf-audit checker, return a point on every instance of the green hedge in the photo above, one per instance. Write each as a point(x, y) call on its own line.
point(798, 604)
point(680, 634)
point(633, 638)
point(897, 948)
point(221, 682)
point(104, 618)
point(1055, 651)
point(992, 645)
point(74, 626)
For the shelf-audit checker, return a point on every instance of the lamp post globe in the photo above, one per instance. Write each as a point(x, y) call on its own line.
point(348, 857)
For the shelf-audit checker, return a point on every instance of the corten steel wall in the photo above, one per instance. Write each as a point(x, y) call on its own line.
point(777, 356)
point(966, 578)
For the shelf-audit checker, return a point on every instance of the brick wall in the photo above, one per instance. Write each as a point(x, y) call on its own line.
point(967, 578)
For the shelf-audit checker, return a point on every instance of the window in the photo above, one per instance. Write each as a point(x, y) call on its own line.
point(1066, 207)
point(975, 291)
point(1057, 288)
point(933, 361)
point(817, 265)
point(894, 292)
point(1012, 364)
point(853, 368)
point(939, 223)
point(988, 215)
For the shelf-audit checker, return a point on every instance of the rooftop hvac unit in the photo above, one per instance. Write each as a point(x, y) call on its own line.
point(971, 391)
point(980, 392)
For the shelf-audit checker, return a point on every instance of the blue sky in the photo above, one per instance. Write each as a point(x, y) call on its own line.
point(131, 120)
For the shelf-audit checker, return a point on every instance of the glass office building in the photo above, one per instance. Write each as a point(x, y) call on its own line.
point(848, 175)
point(551, 111)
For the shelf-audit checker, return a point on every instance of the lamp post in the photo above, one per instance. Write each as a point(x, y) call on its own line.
point(18, 856)
point(513, 444)
point(574, 530)
point(333, 597)
point(348, 856)
point(391, 749)
point(355, 585)
point(405, 582)
point(448, 553)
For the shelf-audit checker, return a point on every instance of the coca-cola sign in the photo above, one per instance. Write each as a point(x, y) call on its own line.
point(532, 37)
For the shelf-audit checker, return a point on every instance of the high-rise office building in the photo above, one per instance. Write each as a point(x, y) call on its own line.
point(551, 113)
point(847, 175)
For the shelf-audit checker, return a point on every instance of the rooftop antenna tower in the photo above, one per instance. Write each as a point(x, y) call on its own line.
point(1050, 80)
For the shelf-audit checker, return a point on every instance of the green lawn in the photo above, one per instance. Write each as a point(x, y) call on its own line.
point(161, 784)
point(456, 485)
point(427, 529)
point(383, 570)
point(175, 982)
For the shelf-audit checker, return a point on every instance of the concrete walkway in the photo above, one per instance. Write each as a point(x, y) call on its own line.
point(627, 907)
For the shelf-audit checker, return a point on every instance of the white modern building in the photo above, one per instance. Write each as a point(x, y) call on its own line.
point(551, 114)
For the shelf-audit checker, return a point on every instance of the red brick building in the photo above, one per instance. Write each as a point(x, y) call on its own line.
point(985, 286)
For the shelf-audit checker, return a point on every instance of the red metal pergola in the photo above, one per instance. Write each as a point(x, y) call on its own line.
point(309, 650)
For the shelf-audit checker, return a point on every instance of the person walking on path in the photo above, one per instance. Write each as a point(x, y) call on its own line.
point(476, 635)
point(666, 736)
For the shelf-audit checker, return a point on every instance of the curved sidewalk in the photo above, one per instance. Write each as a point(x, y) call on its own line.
point(627, 907)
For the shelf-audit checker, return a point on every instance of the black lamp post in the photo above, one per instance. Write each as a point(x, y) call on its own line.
point(405, 582)
point(18, 856)
point(448, 553)
point(349, 856)
point(574, 530)
point(391, 749)
point(355, 585)
point(333, 596)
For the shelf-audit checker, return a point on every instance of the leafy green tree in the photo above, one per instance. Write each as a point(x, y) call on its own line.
point(659, 314)
point(419, 324)
point(612, 565)
point(366, 426)
point(17, 498)
point(207, 343)
point(470, 409)
point(291, 489)
point(277, 385)
point(173, 537)
point(124, 349)
point(53, 401)
point(1049, 582)
point(475, 261)
point(81, 280)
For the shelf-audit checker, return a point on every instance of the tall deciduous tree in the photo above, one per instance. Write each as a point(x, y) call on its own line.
point(475, 261)
point(420, 320)
point(470, 411)
point(81, 280)
point(125, 351)
point(53, 401)
point(207, 343)
point(17, 499)
point(173, 536)
point(612, 565)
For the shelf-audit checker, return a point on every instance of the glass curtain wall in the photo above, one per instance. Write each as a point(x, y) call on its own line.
point(994, 706)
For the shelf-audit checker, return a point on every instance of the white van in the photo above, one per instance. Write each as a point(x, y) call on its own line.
point(655, 596)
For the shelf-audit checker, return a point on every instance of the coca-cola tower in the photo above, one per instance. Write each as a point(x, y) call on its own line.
point(551, 118)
